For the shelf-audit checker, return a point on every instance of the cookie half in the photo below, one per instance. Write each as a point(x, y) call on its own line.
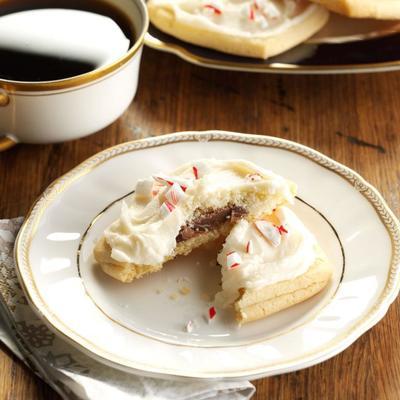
point(270, 264)
point(260, 303)
point(172, 214)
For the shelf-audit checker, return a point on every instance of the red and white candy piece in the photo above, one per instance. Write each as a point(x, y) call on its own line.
point(249, 247)
point(157, 187)
point(212, 312)
point(163, 180)
point(201, 169)
point(270, 232)
point(269, 9)
point(215, 10)
point(281, 229)
point(195, 172)
point(251, 13)
point(169, 181)
point(189, 326)
point(175, 194)
point(166, 208)
point(233, 260)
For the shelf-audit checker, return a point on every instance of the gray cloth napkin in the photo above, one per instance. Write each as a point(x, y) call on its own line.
point(71, 373)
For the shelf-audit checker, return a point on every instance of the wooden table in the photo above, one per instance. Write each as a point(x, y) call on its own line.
point(354, 119)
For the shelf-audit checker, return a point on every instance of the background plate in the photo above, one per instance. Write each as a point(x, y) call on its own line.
point(344, 45)
point(48, 245)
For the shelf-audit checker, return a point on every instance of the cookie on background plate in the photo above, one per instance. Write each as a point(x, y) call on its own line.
point(379, 9)
point(250, 28)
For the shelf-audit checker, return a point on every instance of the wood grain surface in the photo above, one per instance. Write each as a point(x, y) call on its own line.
point(354, 119)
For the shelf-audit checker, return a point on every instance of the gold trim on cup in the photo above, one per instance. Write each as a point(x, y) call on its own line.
point(6, 143)
point(89, 76)
point(4, 98)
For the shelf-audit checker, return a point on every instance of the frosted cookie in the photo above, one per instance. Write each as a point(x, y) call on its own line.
point(251, 28)
point(171, 214)
point(379, 9)
point(270, 264)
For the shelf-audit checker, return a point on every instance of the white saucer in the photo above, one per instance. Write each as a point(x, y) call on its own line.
point(141, 326)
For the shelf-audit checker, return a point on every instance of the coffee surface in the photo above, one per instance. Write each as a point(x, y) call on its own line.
point(46, 44)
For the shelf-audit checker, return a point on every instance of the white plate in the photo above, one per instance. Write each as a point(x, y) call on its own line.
point(139, 326)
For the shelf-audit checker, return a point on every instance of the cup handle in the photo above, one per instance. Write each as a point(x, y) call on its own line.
point(6, 143)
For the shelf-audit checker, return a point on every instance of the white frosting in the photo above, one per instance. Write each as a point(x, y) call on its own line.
point(240, 17)
point(265, 264)
point(146, 231)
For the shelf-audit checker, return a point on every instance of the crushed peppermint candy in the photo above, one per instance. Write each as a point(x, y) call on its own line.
point(157, 187)
point(169, 181)
point(269, 9)
point(233, 260)
point(263, 24)
point(202, 169)
point(175, 194)
point(215, 9)
point(281, 229)
point(249, 247)
point(166, 208)
point(251, 13)
point(164, 180)
point(212, 312)
point(195, 172)
point(189, 326)
point(269, 231)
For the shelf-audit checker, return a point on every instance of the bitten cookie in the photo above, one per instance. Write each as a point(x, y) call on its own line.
point(172, 214)
point(270, 264)
point(251, 28)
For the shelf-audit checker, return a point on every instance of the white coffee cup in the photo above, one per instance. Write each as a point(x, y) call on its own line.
point(56, 111)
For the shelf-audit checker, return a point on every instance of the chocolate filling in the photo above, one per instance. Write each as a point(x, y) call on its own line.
point(210, 220)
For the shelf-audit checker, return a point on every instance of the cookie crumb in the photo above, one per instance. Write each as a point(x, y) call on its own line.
point(184, 290)
point(173, 296)
point(182, 280)
point(158, 291)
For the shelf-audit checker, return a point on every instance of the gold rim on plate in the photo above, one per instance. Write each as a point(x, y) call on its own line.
point(375, 313)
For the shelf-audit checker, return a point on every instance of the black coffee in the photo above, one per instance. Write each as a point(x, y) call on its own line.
point(42, 40)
